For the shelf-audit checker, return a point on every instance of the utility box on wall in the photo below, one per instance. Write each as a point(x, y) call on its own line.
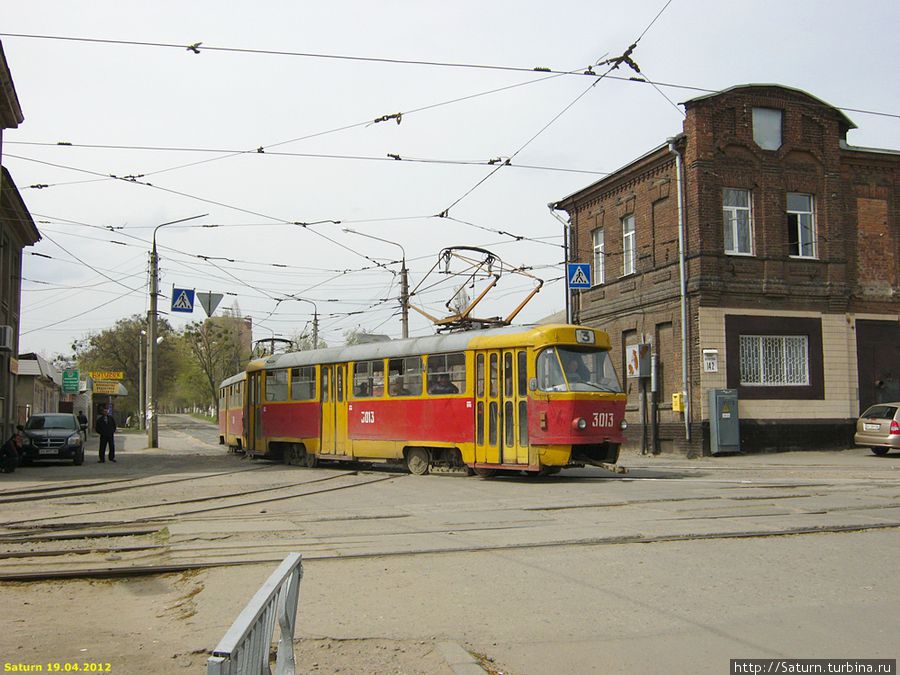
point(724, 422)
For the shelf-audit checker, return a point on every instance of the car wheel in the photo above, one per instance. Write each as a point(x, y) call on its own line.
point(78, 460)
point(880, 451)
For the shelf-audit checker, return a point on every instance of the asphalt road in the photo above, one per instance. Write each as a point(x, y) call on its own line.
point(677, 566)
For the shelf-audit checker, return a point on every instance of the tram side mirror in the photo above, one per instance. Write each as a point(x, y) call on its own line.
point(532, 384)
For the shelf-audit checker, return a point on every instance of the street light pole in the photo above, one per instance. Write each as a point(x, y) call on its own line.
point(404, 281)
point(142, 403)
point(152, 419)
point(315, 340)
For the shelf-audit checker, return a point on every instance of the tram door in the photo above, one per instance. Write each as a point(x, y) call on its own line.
point(334, 410)
point(515, 407)
point(487, 407)
point(253, 414)
point(501, 407)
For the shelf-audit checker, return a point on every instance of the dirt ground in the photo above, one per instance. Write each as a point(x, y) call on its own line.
point(676, 567)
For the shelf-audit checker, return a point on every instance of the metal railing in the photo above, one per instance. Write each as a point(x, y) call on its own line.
point(245, 648)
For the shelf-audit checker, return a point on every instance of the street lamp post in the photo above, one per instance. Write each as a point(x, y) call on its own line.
point(152, 344)
point(404, 281)
point(142, 399)
point(315, 340)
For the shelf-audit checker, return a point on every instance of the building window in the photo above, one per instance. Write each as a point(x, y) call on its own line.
point(599, 256)
point(774, 361)
point(629, 250)
point(737, 222)
point(801, 225)
point(767, 128)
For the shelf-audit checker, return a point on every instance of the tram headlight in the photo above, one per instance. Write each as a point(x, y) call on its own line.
point(623, 425)
point(579, 423)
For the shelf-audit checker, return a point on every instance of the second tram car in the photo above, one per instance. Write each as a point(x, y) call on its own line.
point(532, 398)
point(231, 412)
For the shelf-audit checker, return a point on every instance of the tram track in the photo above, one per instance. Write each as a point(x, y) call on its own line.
point(177, 502)
point(164, 519)
point(173, 566)
point(78, 491)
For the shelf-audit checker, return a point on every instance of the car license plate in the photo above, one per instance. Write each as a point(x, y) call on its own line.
point(48, 451)
point(871, 427)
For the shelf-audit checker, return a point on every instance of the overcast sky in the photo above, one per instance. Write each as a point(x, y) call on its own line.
point(180, 117)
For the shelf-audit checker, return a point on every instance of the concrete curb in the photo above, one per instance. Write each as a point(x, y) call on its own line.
point(459, 660)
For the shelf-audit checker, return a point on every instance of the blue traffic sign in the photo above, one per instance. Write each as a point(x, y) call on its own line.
point(578, 275)
point(183, 300)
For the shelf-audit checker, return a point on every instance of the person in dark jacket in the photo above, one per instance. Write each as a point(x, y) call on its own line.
point(105, 427)
point(10, 451)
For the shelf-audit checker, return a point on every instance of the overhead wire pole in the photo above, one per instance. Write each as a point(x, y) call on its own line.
point(404, 281)
point(152, 356)
point(315, 334)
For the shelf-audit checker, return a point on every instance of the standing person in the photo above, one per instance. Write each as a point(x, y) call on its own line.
point(83, 423)
point(106, 429)
point(9, 452)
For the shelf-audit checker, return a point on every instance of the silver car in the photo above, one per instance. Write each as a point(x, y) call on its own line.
point(879, 428)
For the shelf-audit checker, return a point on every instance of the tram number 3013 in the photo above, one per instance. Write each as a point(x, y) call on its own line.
point(367, 417)
point(603, 419)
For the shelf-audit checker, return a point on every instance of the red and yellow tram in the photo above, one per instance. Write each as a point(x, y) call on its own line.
point(534, 398)
point(231, 412)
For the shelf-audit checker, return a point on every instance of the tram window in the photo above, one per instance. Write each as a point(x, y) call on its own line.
point(522, 367)
point(339, 382)
point(303, 383)
point(479, 424)
point(523, 423)
point(276, 385)
point(447, 373)
point(479, 375)
point(368, 379)
point(589, 370)
point(507, 374)
point(492, 424)
point(509, 424)
point(405, 376)
point(325, 371)
point(495, 388)
point(549, 372)
point(585, 370)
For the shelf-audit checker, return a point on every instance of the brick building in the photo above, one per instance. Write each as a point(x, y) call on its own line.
point(756, 251)
point(17, 230)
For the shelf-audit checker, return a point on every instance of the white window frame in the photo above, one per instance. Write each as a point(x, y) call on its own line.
point(599, 239)
point(774, 360)
point(629, 247)
point(731, 223)
point(796, 219)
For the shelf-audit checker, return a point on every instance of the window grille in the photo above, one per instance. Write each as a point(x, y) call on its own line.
point(774, 361)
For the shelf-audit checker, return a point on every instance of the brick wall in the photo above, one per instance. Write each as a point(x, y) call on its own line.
point(857, 210)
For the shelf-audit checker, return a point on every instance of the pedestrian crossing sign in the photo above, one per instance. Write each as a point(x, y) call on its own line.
point(183, 300)
point(578, 275)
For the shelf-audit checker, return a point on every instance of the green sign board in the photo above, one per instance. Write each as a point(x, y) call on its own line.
point(70, 381)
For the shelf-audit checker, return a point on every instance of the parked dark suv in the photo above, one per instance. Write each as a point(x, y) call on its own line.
point(53, 436)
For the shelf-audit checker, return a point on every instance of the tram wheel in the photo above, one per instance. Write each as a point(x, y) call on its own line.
point(417, 461)
point(311, 461)
point(485, 473)
point(288, 456)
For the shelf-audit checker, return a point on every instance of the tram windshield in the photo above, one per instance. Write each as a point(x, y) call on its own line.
point(570, 369)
